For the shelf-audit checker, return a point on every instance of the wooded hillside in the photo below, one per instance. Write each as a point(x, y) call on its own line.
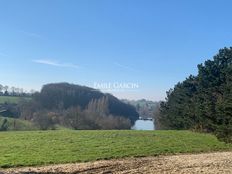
point(77, 107)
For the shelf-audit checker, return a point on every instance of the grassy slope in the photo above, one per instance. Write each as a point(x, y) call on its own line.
point(9, 99)
point(6, 99)
point(18, 124)
point(63, 146)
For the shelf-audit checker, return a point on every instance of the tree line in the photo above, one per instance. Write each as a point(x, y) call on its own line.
point(202, 102)
point(14, 91)
point(145, 108)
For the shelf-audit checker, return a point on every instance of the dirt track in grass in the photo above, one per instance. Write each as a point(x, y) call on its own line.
point(213, 163)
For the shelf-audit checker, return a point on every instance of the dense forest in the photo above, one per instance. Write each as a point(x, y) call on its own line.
point(203, 102)
point(77, 107)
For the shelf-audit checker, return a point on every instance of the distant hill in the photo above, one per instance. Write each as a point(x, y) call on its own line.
point(9, 105)
point(65, 95)
point(145, 108)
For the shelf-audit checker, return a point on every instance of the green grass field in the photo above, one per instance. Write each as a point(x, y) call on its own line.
point(63, 146)
point(9, 99)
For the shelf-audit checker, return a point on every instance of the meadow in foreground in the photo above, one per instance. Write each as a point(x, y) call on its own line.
point(64, 146)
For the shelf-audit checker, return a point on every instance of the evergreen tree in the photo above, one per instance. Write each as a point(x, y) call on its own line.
point(203, 102)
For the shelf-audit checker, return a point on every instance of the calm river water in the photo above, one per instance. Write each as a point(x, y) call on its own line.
point(143, 125)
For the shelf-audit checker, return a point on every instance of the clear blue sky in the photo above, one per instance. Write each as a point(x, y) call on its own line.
point(154, 43)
